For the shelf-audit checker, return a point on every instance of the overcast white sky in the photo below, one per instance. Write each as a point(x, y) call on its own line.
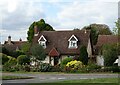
point(17, 15)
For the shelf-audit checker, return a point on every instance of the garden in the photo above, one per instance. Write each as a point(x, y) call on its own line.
point(21, 62)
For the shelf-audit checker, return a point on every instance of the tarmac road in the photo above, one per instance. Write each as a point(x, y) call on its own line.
point(50, 77)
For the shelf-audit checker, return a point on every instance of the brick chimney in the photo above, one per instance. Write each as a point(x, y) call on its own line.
point(9, 40)
point(20, 39)
point(35, 31)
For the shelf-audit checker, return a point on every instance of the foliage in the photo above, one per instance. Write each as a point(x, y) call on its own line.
point(15, 54)
point(23, 59)
point(45, 67)
point(4, 58)
point(110, 54)
point(56, 68)
point(42, 26)
point(97, 29)
point(10, 65)
point(65, 61)
point(92, 67)
point(112, 69)
point(116, 30)
point(26, 47)
point(75, 64)
point(4, 50)
point(38, 52)
point(83, 55)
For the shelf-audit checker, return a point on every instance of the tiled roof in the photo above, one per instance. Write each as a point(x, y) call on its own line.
point(105, 39)
point(59, 40)
point(53, 52)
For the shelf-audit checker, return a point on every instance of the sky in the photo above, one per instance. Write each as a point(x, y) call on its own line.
point(17, 15)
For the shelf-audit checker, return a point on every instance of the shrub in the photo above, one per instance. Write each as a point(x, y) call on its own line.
point(110, 54)
point(4, 58)
point(56, 68)
point(75, 64)
point(45, 67)
point(92, 67)
point(10, 65)
point(23, 59)
point(65, 61)
point(83, 55)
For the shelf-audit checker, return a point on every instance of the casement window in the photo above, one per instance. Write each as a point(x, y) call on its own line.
point(42, 41)
point(72, 42)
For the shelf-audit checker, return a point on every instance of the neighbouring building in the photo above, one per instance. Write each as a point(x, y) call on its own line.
point(61, 44)
point(13, 45)
point(105, 39)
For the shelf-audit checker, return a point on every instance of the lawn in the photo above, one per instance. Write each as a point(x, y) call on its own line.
point(15, 77)
point(99, 80)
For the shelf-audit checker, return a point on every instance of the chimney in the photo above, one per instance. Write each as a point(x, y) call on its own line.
point(20, 39)
point(35, 31)
point(9, 40)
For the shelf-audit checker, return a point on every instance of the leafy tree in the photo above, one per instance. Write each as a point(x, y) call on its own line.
point(4, 58)
point(110, 54)
point(23, 59)
point(26, 47)
point(97, 29)
point(4, 50)
point(38, 52)
point(15, 54)
point(83, 55)
point(116, 30)
point(42, 26)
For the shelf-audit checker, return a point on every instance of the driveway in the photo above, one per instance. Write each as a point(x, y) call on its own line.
point(47, 77)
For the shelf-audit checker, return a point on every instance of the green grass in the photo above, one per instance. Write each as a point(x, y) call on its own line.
point(15, 77)
point(99, 80)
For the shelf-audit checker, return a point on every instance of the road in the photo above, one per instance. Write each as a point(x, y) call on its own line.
point(46, 78)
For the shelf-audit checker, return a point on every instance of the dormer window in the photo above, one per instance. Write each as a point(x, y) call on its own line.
point(73, 42)
point(42, 41)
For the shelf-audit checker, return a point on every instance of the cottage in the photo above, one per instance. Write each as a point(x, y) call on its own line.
point(105, 39)
point(61, 44)
point(13, 45)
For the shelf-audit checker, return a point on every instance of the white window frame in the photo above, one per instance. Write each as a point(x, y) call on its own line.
point(73, 43)
point(42, 43)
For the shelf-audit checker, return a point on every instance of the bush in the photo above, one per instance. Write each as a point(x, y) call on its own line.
point(4, 58)
point(15, 54)
point(110, 54)
point(23, 59)
point(10, 65)
point(65, 61)
point(56, 68)
point(45, 67)
point(74, 66)
point(112, 69)
point(92, 67)
point(83, 55)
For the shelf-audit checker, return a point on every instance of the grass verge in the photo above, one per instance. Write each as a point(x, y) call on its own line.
point(99, 80)
point(15, 77)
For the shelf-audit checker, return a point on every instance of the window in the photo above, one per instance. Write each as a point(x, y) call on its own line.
point(42, 41)
point(73, 42)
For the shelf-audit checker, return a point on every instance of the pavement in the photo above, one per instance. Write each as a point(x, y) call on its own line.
point(50, 77)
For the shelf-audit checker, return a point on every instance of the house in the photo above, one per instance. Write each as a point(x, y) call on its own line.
point(13, 45)
point(105, 39)
point(61, 44)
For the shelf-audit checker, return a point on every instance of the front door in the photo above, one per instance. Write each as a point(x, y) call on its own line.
point(56, 60)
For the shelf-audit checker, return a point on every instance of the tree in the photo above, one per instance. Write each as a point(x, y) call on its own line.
point(42, 26)
point(109, 52)
point(116, 30)
point(83, 55)
point(23, 59)
point(26, 47)
point(4, 58)
point(38, 52)
point(97, 29)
